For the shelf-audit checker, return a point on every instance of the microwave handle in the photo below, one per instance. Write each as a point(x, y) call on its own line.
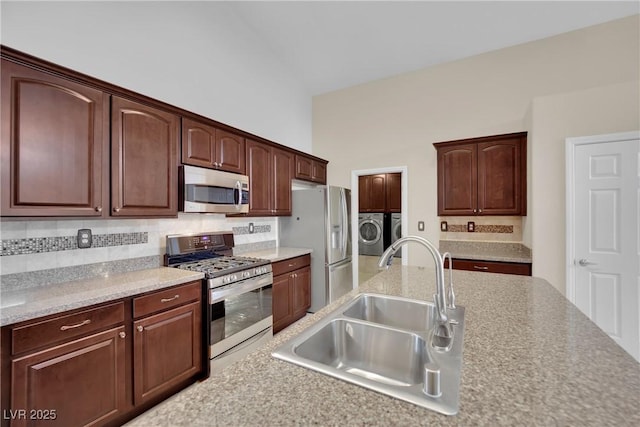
point(238, 191)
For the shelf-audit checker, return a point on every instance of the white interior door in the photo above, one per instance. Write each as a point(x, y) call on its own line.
point(604, 251)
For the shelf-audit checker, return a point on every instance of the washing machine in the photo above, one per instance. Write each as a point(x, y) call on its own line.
point(396, 230)
point(370, 237)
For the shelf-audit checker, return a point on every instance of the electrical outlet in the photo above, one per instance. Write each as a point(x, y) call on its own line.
point(85, 239)
point(444, 226)
point(471, 226)
point(420, 225)
point(251, 228)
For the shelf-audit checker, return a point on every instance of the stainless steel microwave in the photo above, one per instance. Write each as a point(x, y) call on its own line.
point(208, 190)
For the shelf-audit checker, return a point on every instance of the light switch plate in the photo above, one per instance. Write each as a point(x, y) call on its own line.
point(420, 225)
point(471, 226)
point(444, 226)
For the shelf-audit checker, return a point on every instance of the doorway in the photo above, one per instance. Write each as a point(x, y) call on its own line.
point(370, 268)
point(603, 234)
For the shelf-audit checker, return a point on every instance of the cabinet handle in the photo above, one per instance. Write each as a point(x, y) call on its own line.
point(170, 299)
point(140, 328)
point(98, 208)
point(292, 265)
point(122, 334)
point(478, 267)
point(116, 210)
point(84, 322)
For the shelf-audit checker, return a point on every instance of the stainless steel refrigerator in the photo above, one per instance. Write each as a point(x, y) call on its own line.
point(321, 220)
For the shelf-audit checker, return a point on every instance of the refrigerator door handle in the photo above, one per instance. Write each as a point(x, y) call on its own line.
point(345, 222)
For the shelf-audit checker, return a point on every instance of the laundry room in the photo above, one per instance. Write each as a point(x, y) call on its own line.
point(379, 218)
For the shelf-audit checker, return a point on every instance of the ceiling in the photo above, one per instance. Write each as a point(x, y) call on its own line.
point(331, 45)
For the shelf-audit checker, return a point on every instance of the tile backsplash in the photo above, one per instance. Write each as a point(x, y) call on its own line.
point(40, 245)
point(486, 228)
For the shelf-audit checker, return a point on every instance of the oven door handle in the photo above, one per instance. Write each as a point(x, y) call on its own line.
point(219, 294)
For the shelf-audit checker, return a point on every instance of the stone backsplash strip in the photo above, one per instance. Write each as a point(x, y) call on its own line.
point(35, 245)
point(462, 228)
point(256, 229)
point(77, 272)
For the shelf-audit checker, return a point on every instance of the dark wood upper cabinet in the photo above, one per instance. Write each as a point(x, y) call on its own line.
point(144, 160)
point(270, 171)
point(483, 176)
point(206, 146)
point(55, 140)
point(309, 169)
point(75, 146)
point(380, 193)
point(393, 192)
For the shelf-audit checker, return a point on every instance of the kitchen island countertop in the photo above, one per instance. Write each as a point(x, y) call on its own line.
point(530, 358)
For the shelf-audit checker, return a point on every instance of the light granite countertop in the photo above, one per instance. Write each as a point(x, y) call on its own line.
point(277, 254)
point(20, 304)
point(486, 251)
point(530, 358)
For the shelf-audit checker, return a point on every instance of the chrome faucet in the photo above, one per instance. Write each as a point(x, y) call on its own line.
point(443, 332)
point(451, 297)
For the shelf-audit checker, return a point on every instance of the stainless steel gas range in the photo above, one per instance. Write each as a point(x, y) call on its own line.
point(239, 317)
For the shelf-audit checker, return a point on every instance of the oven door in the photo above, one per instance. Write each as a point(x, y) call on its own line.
point(239, 312)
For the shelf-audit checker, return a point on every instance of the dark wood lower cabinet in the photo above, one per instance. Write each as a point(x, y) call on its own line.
point(291, 291)
point(102, 365)
point(166, 350)
point(79, 383)
point(522, 269)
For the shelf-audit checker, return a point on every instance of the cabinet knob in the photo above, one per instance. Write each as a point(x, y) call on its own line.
point(116, 210)
point(122, 334)
point(480, 210)
point(98, 208)
point(475, 210)
point(140, 328)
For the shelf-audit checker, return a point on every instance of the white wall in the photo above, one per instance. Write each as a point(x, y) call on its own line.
point(600, 110)
point(396, 120)
point(194, 55)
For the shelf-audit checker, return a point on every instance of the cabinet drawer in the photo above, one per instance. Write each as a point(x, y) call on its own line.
point(522, 269)
point(168, 298)
point(287, 265)
point(62, 328)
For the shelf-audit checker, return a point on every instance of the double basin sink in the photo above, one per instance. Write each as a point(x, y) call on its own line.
point(383, 343)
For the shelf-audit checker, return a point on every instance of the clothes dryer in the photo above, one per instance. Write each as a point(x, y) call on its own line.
point(396, 230)
point(370, 237)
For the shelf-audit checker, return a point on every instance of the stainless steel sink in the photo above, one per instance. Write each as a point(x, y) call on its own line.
point(398, 312)
point(383, 343)
point(386, 355)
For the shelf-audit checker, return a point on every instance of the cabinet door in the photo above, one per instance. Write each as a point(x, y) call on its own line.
point(198, 143)
point(499, 177)
point(371, 193)
point(304, 168)
point(281, 302)
point(54, 144)
point(166, 350)
point(259, 172)
point(457, 180)
point(301, 292)
point(144, 166)
point(282, 163)
point(319, 174)
point(393, 190)
point(230, 153)
point(83, 381)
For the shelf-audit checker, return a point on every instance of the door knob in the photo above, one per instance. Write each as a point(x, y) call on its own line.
point(583, 262)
